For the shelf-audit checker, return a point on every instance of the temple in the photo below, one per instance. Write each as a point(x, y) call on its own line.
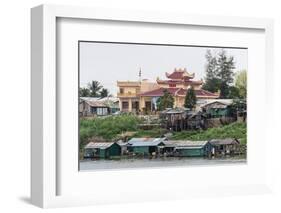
point(137, 96)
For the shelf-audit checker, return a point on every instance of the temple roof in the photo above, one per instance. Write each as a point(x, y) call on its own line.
point(176, 81)
point(179, 74)
point(179, 92)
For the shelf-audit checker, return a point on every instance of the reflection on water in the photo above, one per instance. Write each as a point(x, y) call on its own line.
point(157, 162)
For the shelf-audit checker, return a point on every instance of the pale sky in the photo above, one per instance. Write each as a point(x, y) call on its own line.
point(109, 62)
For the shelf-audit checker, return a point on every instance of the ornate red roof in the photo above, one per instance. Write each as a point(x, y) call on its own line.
point(178, 92)
point(180, 74)
point(159, 92)
point(202, 93)
point(175, 81)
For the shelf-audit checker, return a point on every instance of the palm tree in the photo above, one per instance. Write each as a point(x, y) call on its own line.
point(84, 92)
point(94, 87)
point(104, 93)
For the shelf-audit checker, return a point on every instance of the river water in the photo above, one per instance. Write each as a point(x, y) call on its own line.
point(94, 165)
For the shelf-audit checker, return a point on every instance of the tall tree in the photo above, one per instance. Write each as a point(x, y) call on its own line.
point(211, 80)
point(94, 88)
point(219, 73)
point(225, 72)
point(241, 83)
point(104, 93)
point(84, 92)
point(166, 101)
point(190, 98)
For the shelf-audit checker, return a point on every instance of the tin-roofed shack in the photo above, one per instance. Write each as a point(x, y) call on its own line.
point(218, 109)
point(102, 150)
point(184, 148)
point(227, 146)
point(92, 107)
point(112, 103)
point(146, 146)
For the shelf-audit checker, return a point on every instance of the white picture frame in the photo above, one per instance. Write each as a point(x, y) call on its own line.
point(45, 171)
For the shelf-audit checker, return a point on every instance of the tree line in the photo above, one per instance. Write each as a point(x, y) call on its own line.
point(93, 89)
point(220, 76)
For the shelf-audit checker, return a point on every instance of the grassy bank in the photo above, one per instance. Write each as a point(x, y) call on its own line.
point(110, 128)
point(234, 130)
point(107, 128)
point(153, 133)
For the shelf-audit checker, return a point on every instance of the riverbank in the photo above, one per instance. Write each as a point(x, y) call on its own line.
point(136, 163)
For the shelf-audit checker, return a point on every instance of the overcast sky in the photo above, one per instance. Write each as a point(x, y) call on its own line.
point(108, 62)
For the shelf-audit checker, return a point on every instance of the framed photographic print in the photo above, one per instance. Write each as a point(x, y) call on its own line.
point(129, 102)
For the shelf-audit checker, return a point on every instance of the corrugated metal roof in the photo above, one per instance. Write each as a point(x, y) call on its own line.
point(89, 98)
point(113, 99)
point(227, 141)
point(182, 143)
point(101, 102)
point(96, 104)
point(188, 147)
point(225, 102)
point(177, 110)
point(145, 141)
point(98, 145)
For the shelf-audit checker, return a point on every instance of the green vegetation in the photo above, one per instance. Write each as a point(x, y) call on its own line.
point(241, 83)
point(104, 93)
point(190, 99)
point(234, 130)
point(219, 73)
point(219, 76)
point(152, 133)
point(166, 101)
point(107, 128)
point(94, 89)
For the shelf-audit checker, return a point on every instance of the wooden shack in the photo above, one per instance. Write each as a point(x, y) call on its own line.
point(92, 107)
point(217, 109)
point(174, 119)
point(102, 150)
point(196, 120)
point(227, 146)
point(112, 103)
point(145, 146)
